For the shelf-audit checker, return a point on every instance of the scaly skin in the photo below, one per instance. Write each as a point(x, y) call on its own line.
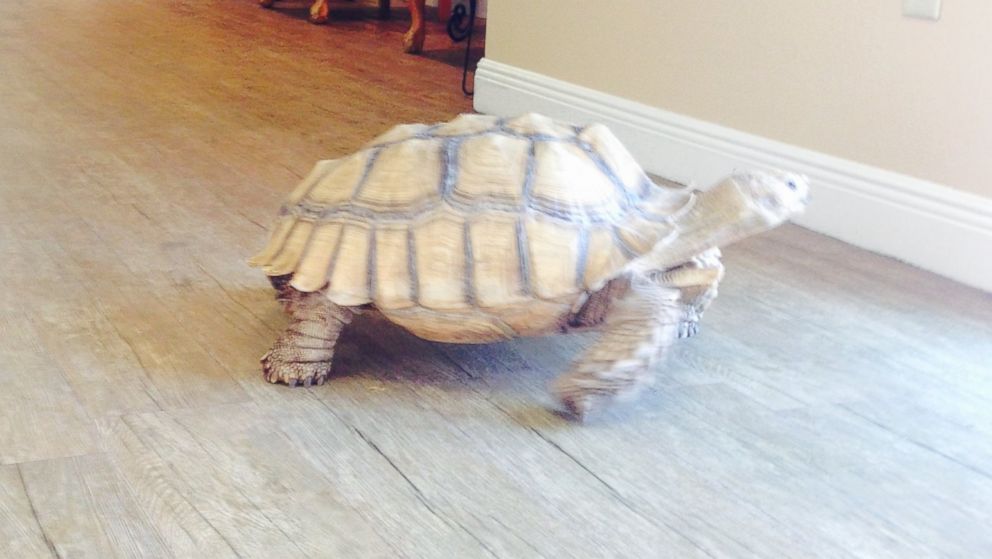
point(644, 316)
point(303, 354)
point(698, 280)
point(595, 309)
point(640, 328)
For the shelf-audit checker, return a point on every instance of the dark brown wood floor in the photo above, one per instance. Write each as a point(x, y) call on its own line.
point(836, 403)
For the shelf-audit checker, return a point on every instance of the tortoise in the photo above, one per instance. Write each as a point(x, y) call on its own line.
point(484, 229)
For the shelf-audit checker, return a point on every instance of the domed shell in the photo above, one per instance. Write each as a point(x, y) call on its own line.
point(477, 212)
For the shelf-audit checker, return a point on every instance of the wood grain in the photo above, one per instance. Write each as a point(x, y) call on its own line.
point(835, 403)
point(20, 529)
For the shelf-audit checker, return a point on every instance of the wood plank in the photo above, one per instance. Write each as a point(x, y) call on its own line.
point(21, 534)
point(182, 528)
point(289, 481)
point(86, 510)
point(41, 416)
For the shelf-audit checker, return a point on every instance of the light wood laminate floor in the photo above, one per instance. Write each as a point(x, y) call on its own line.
point(835, 404)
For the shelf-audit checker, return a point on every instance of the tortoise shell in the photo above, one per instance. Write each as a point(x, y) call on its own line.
point(475, 213)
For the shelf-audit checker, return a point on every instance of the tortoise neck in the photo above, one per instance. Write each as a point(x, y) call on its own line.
point(720, 216)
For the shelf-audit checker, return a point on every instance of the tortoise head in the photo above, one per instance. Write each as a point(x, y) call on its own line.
point(740, 205)
point(774, 196)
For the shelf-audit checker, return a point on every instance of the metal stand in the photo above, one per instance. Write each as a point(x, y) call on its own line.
point(460, 26)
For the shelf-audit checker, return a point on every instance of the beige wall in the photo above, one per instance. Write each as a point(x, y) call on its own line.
point(851, 78)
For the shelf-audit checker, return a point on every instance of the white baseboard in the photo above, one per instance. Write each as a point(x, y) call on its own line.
point(932, 226)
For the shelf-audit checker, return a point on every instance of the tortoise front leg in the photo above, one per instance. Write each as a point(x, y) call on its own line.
point(698, 280)
point(302, 355)
point(640, 327)
point(319, 11)
point(413, 41)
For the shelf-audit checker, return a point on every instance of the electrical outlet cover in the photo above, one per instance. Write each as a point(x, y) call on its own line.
point(924, 9)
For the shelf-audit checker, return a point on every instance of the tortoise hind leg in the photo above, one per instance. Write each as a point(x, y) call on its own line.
point(640, 327)
point(302, 355)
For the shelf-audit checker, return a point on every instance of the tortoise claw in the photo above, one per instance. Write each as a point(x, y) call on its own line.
point(577, 408)
point(688, 329)
point(293, 373)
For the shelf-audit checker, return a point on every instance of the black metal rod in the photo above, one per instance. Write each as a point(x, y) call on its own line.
point(460, 27)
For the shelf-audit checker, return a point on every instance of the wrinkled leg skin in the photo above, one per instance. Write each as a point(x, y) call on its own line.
point(694, 303)
point(699, 280)
point(639, 330)
point(302, 355)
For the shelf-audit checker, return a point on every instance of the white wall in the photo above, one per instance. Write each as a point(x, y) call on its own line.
point(849, 78)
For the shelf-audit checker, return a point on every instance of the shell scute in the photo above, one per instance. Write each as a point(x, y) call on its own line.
point(533, 124)
point(276, 239)
point(618, 161)
point(285, 260)
point(311, 273)
point(497, 268)
point(492, 167)
point(638, 235)
point(350, 281)
point(402, 176)
point(320, 171)
point(394, 287)
point(465, 124)
point(337, 183)
point(603, 258)
point(567, 180)
point(554, 251)
point(440, 256)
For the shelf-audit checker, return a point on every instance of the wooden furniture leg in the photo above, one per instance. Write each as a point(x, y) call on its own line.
point(443, 10)
point(384, 9)
point(319, 11)
point(413, 41)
